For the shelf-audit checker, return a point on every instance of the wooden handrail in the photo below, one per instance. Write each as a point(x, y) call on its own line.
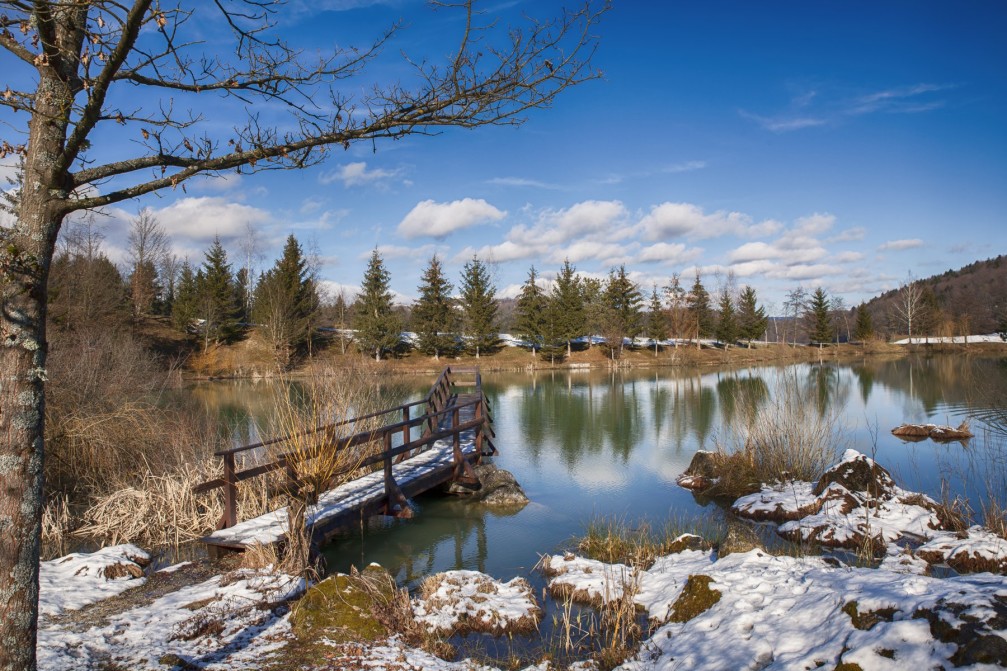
point(437, 407)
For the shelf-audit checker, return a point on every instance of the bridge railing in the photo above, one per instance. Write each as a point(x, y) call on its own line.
point(440, 419)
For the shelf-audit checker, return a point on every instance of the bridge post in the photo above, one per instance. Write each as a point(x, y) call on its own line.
point(479, 429)
point(230, 517)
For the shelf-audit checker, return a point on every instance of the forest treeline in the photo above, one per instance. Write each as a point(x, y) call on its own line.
point(217, 301)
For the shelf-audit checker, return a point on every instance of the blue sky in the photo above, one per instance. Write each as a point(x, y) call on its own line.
point(841, 144)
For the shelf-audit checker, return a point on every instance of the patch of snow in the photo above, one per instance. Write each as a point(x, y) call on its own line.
point(589, 579)
point(474, 600)
point(174, 567)
point(660, 586)
point(931, 340)
point(79, 579)
point(787, 500)
point(226, 622)
point(978, 545)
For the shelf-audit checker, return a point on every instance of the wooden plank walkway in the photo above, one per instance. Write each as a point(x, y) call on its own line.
point(457, 432)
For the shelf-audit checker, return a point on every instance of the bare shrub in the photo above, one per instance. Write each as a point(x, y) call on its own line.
point(317, 419)
point(785, 436)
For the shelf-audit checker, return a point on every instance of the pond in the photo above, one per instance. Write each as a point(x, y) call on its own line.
point(590, 444)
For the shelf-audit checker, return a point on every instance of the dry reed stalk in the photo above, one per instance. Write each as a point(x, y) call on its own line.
point(785, 437)
point(318, 460)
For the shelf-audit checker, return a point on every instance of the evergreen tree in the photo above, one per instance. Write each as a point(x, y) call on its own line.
point(818, 317)
point(727, 325)
point(434, 319)
point(568, 305)
point(479, 308)
point(752, 320)
point(657, 320)
point(592, 291)
point(285, 302)
point(217, 306)
point(531, 313)
point(863, 326)
point(377, 325)
point(698, 305)
point(185, 308)
point(622, 300)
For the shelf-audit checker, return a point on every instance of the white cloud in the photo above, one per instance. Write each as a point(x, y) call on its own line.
point(505, 251)
point(816, 224)
point(389, 252)
point(355, 174)
point(604, 218)
point(583, 250)
point(522, 181)
point(202, 218)
point(668, 253)
point(671, 220)
point(900, 245)
point(436, 220)
point(850, 235)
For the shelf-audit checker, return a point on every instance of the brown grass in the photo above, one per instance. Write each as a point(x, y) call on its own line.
point(783, 437)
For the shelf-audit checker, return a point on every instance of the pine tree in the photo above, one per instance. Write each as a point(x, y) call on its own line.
point(819, 320)
point(185, 308)
point(377, 325)
point(698, 305)
point(568, 303)
point(531, 313)
point(217, 307)
point(752, 320)
point(622, 300)
point(434, 319)
point(863, 325)
point(727, 325)
point(479, 308)
point(285, 302)
point(657, 320)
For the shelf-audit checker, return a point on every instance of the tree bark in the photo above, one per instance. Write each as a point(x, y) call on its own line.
point(24, 276)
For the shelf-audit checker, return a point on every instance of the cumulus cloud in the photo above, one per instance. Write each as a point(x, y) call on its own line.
point(669, 253)
point(356, 174)
point(203, 218)
point(605, 218)
point(672, 220)
point(900, 245)
point(850, 235)
point(389, 252)
point(436, 220)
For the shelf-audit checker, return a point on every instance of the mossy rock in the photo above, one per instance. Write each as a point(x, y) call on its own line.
point(696, 598)
point(868, 618)
point(849, 666)
point(343, 607)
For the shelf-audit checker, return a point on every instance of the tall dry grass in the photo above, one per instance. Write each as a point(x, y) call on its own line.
point(785, 435)
point(317, 460)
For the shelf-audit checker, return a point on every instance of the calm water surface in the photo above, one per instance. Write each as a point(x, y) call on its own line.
point(589, 444)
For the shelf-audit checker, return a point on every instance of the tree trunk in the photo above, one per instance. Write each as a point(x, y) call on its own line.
point(24, 275)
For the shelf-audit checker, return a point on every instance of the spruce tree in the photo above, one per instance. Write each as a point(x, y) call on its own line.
point(727, 325)
point(530, 313)
point(863, 327)
point(698, 305)
point(217, 306)
point(285, 303)
point(434, 319)
point(622, 300)
point(185, 308)
point(818, 317)
point(568, 302)
point(479, 308)
point(752, 320)
point(657, 320)
point(377, 325)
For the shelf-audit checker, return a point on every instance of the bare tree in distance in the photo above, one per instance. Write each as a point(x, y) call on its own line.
point(908, 303)
point(122, 101)
point(147, 244)
point(793, 307)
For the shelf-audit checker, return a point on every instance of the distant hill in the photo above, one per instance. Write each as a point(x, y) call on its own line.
point(972, 299)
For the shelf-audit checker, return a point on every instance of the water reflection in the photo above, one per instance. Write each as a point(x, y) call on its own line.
point(611, 443)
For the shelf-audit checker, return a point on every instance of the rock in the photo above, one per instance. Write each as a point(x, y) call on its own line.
point(344, 608)
point(740, 538)
point(702, 471)
point(858, 473)
point(696, 598)
point(499, 487)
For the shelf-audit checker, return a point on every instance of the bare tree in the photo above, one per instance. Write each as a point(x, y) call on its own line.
point(908, 303)
point(123, 102)
point(793, 308)
point(250, 246)
point(147, 245)
point(839, 312)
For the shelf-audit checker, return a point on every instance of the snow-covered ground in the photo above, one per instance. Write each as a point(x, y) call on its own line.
point(932, 340)
point(750, 610)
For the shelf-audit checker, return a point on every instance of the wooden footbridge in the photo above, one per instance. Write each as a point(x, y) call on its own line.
point(452, 432)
